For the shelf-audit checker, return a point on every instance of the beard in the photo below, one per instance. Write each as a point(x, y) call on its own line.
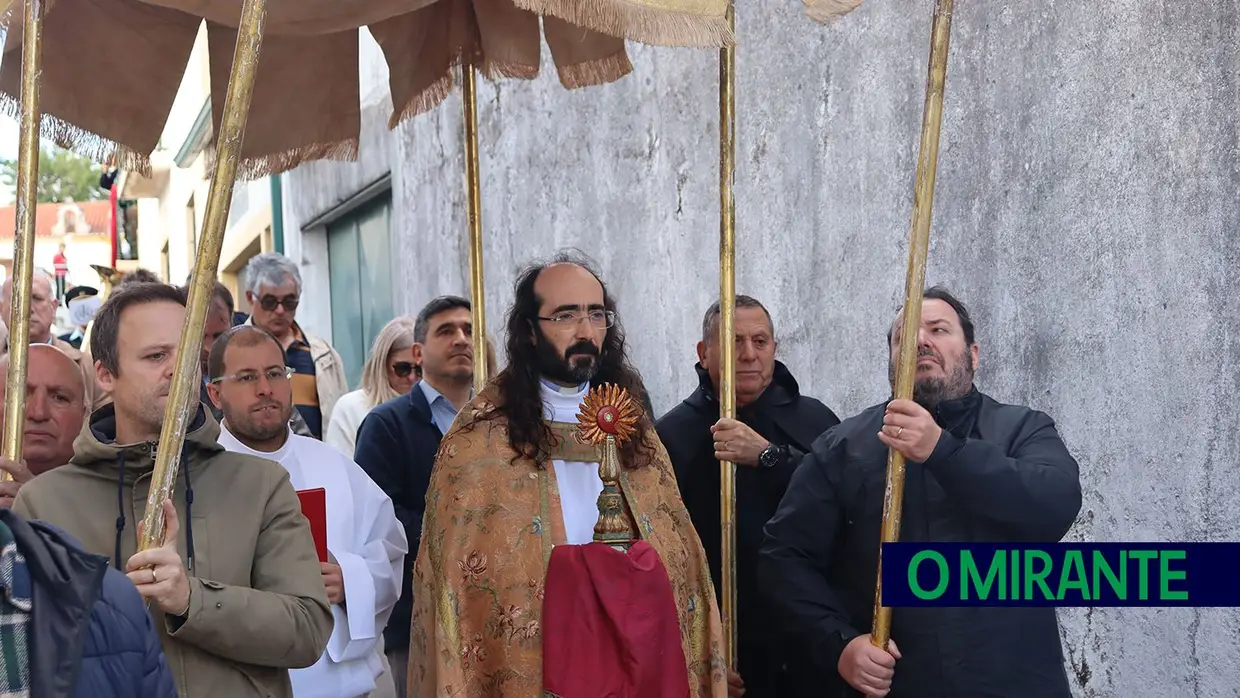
point(930, 392)
point(578, 364)
point(244, 423)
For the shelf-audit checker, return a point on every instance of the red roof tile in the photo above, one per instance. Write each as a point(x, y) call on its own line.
point(48, 219)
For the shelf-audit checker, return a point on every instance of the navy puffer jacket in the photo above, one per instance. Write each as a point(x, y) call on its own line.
point(90, 633)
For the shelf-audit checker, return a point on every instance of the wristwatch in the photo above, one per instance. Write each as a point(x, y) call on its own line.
point(772, 456)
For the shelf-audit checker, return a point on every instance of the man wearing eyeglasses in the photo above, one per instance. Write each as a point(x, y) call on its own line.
point(366, 545)
point(273, 288)
point(511, 513)
point(219, 320)
point(397, 441)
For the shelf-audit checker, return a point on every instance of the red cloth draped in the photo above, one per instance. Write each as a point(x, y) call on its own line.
point(610, 625)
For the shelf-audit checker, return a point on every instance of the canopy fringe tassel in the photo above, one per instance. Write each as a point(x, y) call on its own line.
point(634, 22)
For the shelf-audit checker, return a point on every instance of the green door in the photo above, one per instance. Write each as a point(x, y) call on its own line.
point(359, 253)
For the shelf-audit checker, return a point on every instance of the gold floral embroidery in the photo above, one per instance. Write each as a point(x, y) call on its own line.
point(477, 629)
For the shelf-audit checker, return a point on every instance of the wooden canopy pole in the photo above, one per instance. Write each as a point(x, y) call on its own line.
point(727, 339)
point(473, 190)
point(183, 396)
point(919, 244)
point(23, 235)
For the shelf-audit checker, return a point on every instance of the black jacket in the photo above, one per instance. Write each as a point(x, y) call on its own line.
point(90, 633)
point(1000, 473)
point(396, 446)
point(784, 417)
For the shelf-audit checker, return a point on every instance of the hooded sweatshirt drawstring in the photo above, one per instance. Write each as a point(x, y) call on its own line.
point(189, 510)
point(120, 510)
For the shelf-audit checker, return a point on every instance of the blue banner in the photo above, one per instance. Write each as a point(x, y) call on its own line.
point(1061, 574)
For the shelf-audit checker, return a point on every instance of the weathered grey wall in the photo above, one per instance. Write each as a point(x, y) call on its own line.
point(1086, 209)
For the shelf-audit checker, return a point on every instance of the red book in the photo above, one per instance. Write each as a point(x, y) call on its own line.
point(314, 508)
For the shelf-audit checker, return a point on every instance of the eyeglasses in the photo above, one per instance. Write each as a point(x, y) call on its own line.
point(250, 378)
point(402, 369)
point(567, 320)
point(269, 303)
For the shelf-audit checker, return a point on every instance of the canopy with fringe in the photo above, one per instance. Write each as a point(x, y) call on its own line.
point(827, 11)
point(112, 68)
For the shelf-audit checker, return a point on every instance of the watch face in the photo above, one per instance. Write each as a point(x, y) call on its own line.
point(767, 459)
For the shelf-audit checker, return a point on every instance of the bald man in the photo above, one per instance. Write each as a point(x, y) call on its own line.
point(56, 408)
point(43, 305)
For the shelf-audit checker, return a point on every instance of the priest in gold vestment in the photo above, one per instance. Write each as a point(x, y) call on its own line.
point(513, 479)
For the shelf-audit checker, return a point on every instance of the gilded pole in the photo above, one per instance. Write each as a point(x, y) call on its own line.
point(919, 244)
point(473, 191)
point(23, 234)
point(183, 397)
point(727, 341)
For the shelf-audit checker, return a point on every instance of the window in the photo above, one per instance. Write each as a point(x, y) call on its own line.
point(359, 254)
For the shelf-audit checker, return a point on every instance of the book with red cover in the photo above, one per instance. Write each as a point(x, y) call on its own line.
point(314, 508)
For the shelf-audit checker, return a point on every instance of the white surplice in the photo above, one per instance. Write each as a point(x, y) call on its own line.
point(369, 544)
point(579, 483)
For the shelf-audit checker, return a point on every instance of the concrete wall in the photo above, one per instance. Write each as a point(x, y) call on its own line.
point(1086, 210)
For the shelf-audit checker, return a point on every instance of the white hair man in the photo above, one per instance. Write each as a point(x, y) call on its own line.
point(43, 306)
point(273, 288)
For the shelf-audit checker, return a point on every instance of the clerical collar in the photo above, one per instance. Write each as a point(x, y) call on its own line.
point(562, 404)
point(579, 390)
point(240, 447)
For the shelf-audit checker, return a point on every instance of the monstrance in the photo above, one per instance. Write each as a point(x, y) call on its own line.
point(607, 419)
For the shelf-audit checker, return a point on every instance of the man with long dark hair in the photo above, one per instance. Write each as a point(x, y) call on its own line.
point(513, 480)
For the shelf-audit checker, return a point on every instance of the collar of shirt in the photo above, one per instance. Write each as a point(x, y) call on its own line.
point(442, 411)
point(299, 337)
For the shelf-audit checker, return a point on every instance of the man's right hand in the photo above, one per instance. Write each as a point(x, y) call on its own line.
point(868, 668)
point(8, 490)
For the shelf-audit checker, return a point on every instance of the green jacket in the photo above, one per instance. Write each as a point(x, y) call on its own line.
point(257, 603)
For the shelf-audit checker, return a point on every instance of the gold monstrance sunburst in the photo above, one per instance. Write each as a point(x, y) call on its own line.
point(608, 418)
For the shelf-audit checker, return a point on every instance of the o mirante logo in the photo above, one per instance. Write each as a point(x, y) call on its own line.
point(1061, 574)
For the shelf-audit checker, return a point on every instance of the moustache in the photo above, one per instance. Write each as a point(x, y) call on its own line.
point(582, 347)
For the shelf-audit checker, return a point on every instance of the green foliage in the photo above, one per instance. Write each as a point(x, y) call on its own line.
point(63, 175)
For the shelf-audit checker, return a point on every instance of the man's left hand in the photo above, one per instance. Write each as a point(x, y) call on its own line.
point(21, 475)
point(333, 581)
point(159, 574)
point(909, 429)
point(737, 443)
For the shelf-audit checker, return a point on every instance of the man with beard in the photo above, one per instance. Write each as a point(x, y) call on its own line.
point(979, 471)
point(236, 617)
point(366, 546)
point(397, 440)
point(219, 320)
point(513, 480)
point(774, 428)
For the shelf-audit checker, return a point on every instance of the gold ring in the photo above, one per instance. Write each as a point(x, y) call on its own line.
point(154, 579)
point(899, 430)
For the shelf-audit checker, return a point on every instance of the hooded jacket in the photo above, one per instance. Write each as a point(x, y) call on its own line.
point(257, 603)
point(89, 633)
